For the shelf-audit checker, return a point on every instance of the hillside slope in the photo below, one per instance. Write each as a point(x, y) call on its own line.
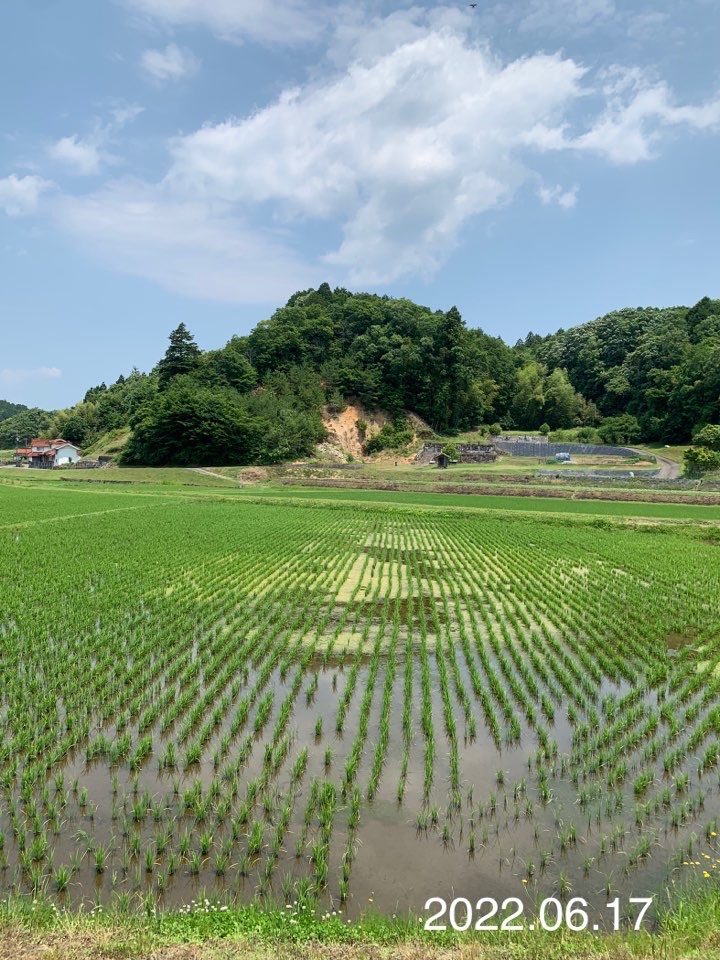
point(636, 375)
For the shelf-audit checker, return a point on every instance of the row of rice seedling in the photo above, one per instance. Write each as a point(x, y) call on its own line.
point(237, 681)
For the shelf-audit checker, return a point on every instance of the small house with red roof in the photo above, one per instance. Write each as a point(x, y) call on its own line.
point(47, 453)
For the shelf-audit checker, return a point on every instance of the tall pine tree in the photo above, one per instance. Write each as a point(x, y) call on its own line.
point(182, 356)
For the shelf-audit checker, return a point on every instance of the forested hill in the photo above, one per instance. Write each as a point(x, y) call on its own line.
point(634, 374)
point(8, 409)
point(661, 366)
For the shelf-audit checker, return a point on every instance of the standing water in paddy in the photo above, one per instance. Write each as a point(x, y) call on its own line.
point(354, 706)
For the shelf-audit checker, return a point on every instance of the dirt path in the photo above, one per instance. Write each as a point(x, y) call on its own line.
point(669, 470)
point(218, 476)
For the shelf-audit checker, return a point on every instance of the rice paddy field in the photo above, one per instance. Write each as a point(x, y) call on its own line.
point(351, 704)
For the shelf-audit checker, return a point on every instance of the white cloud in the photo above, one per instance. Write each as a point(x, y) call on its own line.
point(412, 130)
point(20, 195)
point(10, 377)
point(192, 247)
point(83, 156)
point(281, 22)
point(86, 155)
point(121, 116)
point(638, 113)
point(404, 147)
point(172, 63)
point(567, 199)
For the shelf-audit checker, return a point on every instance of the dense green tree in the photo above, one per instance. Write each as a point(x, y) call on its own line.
point(620, 430)
point(529, 401)
point(699, 460)
point(661, 366)
point(23, 426)
point(189, 425)
point(78, 424)
point(8, 409)
point(708, 437)
point(181, 357)
point(228, 367)
point(563, 403)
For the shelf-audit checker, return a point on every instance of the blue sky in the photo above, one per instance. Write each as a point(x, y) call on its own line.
point(535, 162)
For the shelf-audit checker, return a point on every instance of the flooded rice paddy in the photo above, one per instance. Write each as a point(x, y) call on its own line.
point(354, 707)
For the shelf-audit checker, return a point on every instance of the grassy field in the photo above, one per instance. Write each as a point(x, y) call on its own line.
point(149, 482)
point(165, 476)
point(534, 504)
point(670, 452)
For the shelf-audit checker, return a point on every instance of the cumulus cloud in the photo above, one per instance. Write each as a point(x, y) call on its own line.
point(403, 147)
point(281, 22)
point(82, 155)
point(20, 195)
point(172, 63)
point(10, 377)
point(191, 247)
point(637, 114)
point(86, 155)
point(412, 129)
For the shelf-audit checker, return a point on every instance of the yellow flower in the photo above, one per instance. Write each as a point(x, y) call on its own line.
point(706, 874)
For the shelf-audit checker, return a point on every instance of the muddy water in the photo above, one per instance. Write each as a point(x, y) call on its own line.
point(397, 866)
point(404, 853)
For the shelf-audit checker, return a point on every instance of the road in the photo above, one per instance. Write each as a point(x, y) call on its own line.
point(669, 469)
point(219, 476)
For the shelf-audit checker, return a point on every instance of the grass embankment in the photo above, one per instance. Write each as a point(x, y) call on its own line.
point(691, 928)
point(674, 452)
point(177, 481)
point(108, 444)
point(533, 504)
point(173, 476)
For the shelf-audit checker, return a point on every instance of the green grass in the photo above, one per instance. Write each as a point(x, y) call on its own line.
point(534, 504)
point(181, 482)
point(689, 927)
point(109, 444)
point(674, 452)
point(175, 476)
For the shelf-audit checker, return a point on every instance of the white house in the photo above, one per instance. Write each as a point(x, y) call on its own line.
point(66, 453)
point(48, 453)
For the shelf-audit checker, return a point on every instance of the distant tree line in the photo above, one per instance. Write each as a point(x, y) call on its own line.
point(636, 374)
point(8, 409)
point(659, 366)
